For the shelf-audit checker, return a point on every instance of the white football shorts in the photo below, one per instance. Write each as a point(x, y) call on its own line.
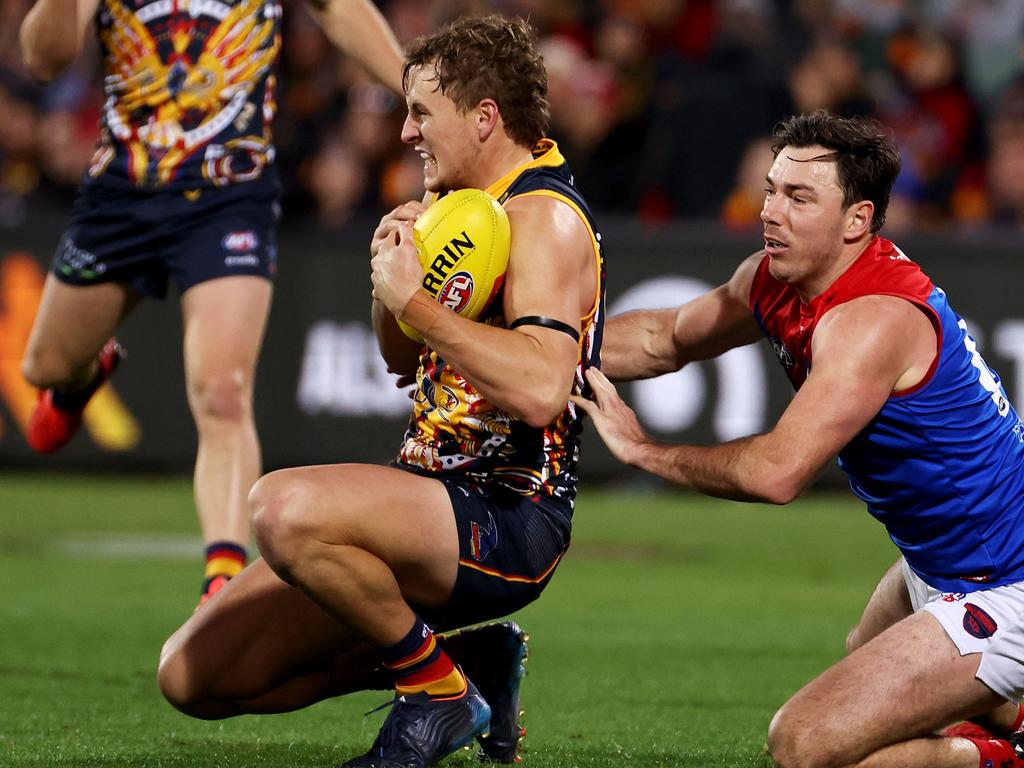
point(989, 622)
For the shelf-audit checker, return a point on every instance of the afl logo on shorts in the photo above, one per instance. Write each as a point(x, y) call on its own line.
point(457, 291)
point(978, 623)
point(240, 242)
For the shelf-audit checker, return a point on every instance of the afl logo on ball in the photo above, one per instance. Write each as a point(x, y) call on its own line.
point(978, 623)
point(457, 291)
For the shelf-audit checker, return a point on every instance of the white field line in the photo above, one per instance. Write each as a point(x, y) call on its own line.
point(130, 545)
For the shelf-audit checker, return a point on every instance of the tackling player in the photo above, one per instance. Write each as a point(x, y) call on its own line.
point(182, 186)
point(361, 563)
point(888, 379)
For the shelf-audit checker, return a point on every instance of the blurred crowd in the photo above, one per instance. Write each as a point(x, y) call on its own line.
point(664, 108)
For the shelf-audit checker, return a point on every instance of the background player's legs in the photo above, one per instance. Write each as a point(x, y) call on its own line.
point(223, 321)
point(72, 324)
point(880, 705)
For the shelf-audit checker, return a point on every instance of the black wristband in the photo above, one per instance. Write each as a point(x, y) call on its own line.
point(547, 322)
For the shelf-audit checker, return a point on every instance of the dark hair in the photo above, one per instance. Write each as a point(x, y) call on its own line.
point(867, 159)
point(492, 57)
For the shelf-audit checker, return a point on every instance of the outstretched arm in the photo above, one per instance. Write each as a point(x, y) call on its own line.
point(647, 343)
point(51, 35)
point(863, 350)
point(361, 31)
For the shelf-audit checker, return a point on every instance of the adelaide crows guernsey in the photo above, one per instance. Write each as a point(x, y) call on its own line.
point(453, 428)
point(189, 92)
point(942, 464)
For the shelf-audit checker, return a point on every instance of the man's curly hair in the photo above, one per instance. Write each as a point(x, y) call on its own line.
point(488, 58)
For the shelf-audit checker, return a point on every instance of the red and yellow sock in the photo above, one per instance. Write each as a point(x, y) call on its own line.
point(994, 752)
point(224, 561)
point(419, 664)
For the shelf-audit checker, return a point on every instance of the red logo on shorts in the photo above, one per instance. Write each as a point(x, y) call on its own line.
point(456, 292)
point(978, 623)
point(483, 539)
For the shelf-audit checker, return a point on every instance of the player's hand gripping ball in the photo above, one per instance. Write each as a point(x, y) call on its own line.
point(463, 241)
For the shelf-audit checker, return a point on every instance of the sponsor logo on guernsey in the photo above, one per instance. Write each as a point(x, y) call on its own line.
point(978, 623)
point(240, 242)
point(784, 355)
point(952, 597)
point(457, 291)
point(483, 539)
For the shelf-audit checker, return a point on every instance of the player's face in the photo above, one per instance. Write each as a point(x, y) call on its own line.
point(444, 138)
point(803, 216)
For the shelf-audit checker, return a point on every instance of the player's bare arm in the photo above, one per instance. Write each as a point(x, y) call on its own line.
point(863, 351)
point(648, 343)
point(359, 29)
point(527, 371)
point(52, 33)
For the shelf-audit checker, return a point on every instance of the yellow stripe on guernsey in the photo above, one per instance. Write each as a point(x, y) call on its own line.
point(547, 155)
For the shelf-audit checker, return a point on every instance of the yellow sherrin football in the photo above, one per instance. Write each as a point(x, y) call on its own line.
point(463, 241)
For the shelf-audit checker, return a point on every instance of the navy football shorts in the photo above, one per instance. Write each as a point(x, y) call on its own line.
point(509, 547)
point(142, 238)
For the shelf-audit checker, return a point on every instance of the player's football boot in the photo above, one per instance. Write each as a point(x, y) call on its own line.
point(493, 656)
point(50, 426)
point(422, 729)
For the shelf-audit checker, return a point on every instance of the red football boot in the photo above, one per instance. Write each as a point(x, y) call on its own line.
point(50, 426)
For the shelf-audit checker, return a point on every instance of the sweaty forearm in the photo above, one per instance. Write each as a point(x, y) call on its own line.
point(742, 470)
point(638, 345)
point(399, 351)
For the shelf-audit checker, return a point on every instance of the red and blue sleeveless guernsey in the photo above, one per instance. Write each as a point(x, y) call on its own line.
point(189, 92)
point(942, 464)
point(454, 429)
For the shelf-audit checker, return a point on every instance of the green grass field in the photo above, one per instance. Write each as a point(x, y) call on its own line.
point(671, 633)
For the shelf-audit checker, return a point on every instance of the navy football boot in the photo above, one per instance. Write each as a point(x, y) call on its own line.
point(422, 729)
point(493, 656)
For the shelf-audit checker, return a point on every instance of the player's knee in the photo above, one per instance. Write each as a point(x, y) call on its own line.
point(223, 396)
point(793, 744)
point(276, 503)
point(853, 640)
point(179, 685)
point(43, 369)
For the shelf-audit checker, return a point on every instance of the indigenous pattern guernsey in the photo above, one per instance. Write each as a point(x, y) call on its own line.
point(189, 92)
point(454, 429)
point(942, 464)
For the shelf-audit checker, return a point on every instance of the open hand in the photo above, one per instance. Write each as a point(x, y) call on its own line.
point(615, 421)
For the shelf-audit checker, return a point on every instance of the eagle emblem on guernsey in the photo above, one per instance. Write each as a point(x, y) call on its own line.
point(174, 89)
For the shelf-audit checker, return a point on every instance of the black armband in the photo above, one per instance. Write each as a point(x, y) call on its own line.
point(547, 322)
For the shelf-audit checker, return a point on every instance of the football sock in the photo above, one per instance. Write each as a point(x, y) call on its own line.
point(418, 664)
point(1019, 721)
point(994, 752)
point(74, 399)
point(224, 560)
